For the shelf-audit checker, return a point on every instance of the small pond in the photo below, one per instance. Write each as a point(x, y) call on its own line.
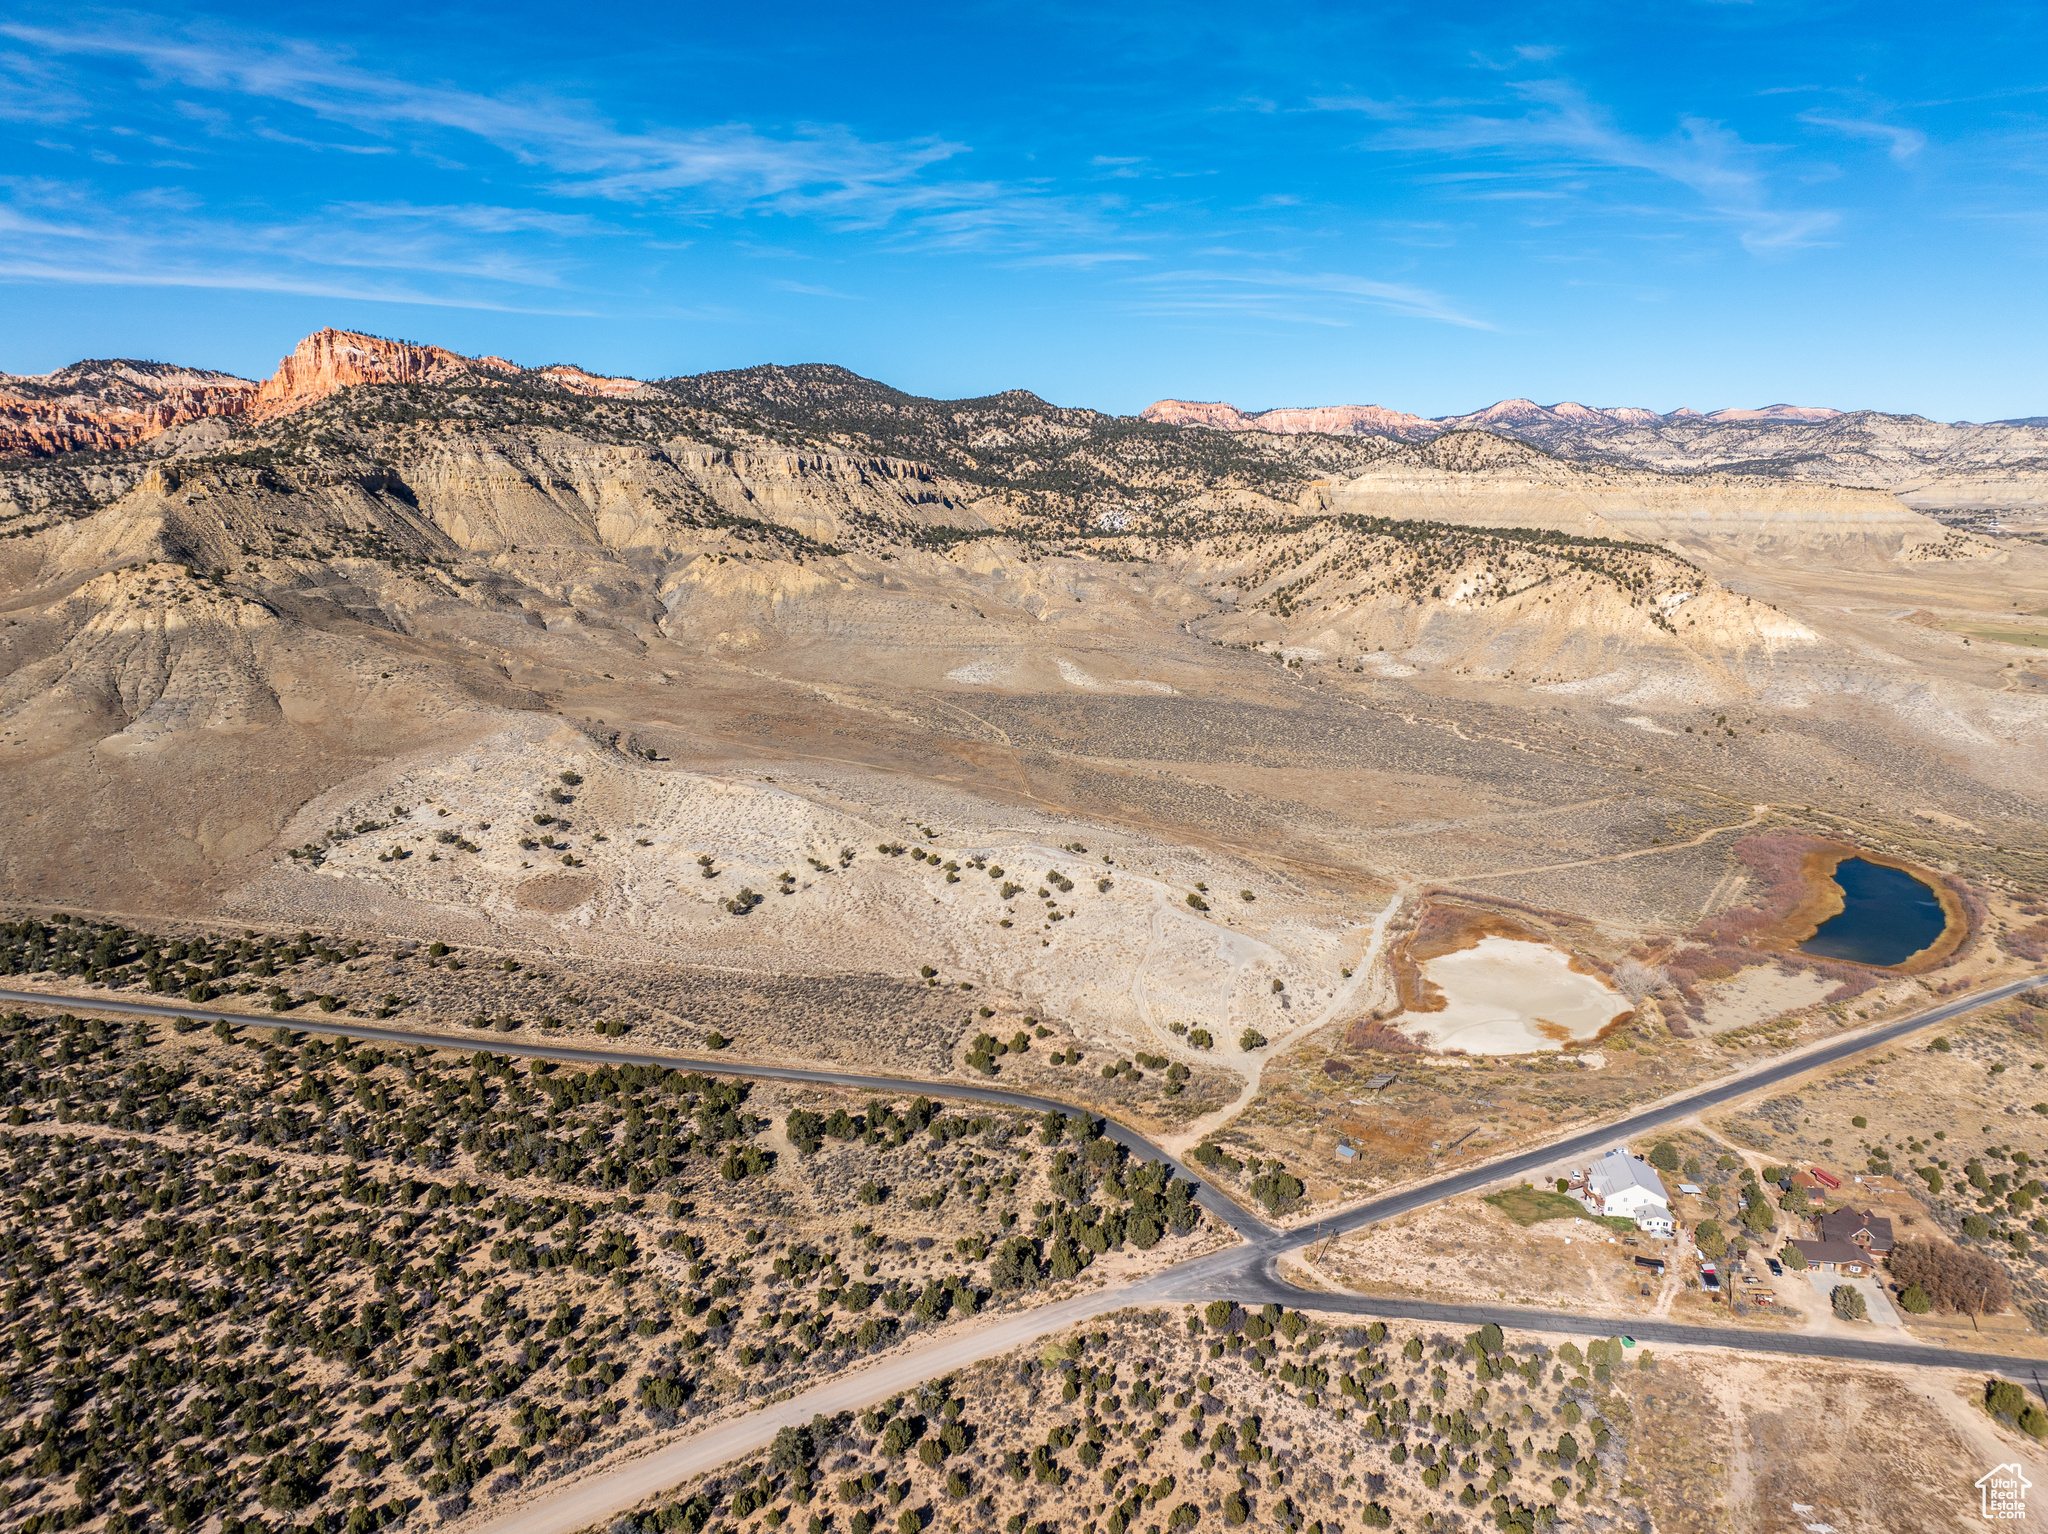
point(1887, 916)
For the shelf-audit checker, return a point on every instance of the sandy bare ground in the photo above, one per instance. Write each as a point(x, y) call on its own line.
point(1365, 979)
point(1508, 996)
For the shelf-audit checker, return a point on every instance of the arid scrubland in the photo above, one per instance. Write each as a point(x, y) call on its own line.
point(1221, 1418)
point(266, 1272)
point(778, 717)
point(1217, 1418)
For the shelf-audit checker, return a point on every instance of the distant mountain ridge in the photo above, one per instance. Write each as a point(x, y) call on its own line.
point(1961, 466)
point(111, 406)
point(1379, 421)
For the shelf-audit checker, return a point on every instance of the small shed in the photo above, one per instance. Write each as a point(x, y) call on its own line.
point(1826, 1179)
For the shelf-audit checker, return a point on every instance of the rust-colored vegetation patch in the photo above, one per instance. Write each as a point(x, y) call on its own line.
point(1444, 928)
point(1399, 1139)
point(1371, 1033)
point(1800, 896)
point(1794, 876)
point(1614, 1025)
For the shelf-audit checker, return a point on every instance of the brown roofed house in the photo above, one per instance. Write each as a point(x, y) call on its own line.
point(1871, 1232)
point(1835, 1256)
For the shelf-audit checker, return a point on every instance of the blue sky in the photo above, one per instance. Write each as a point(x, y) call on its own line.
point(1428, 207)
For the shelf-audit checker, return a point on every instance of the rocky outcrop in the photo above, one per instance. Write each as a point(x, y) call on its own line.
point(1479, 479)
point(576, 381)
point(106, 406)
point(329, 361)
point(557, 491)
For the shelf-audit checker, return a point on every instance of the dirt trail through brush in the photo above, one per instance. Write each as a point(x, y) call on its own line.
point(1756, 815)
point(1256, 1063)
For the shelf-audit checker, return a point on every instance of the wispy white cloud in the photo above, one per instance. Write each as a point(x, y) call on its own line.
point(1903, 143)
point(278, 137)
point(1560, 131)
point(1082, 260)
point(65, 232)
point(566, 148)
point(812, 290)
point(110, 273)
point(1368, 105)
point(316, 99)
point(728, 166)
point(480, 217)
point(32, 89)
point(1316, 298)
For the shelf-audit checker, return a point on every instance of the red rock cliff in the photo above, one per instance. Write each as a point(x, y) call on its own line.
point(331, 360)
point(106, 406)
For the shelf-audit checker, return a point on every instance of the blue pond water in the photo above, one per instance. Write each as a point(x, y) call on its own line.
point(1887, 916)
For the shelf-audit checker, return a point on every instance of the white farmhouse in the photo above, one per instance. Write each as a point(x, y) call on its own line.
point(1627, 1186)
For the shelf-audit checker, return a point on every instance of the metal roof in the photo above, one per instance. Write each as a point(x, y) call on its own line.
point(1618, 1170)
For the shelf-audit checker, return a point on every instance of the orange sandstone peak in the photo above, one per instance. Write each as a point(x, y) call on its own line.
point(331, 360)
point(108, 406)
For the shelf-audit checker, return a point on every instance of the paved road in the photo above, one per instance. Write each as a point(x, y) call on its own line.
point(1235, 1215)
point(1258, 1284)
point(1245, 1273)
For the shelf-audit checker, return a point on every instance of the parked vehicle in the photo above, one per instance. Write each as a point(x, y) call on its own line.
point(1709, 1279)
point(1777, 1268)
